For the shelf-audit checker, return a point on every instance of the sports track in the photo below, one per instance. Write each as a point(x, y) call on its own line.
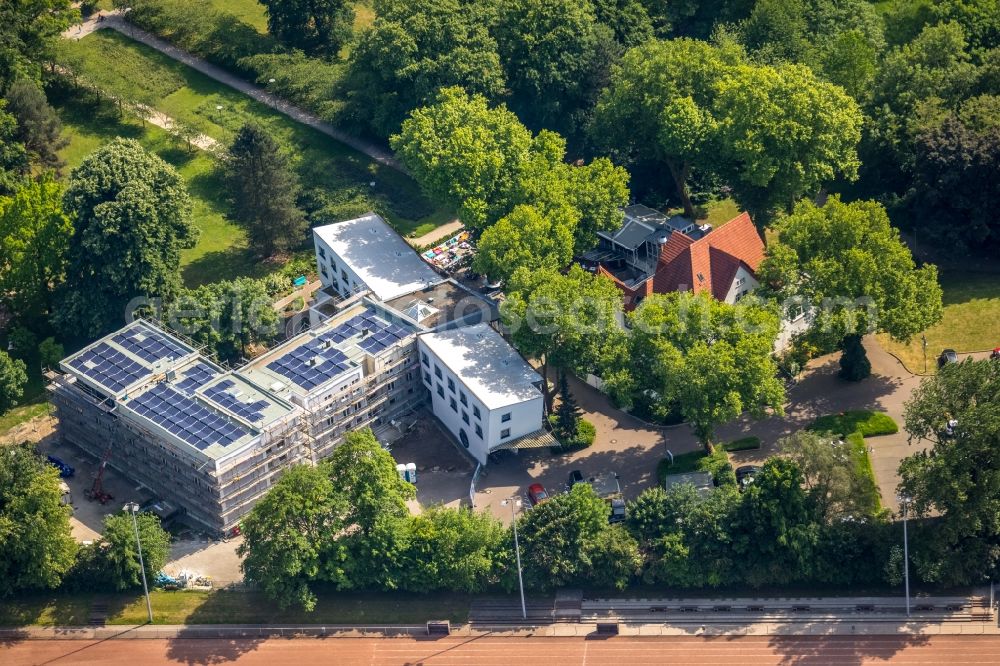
point(951, 650)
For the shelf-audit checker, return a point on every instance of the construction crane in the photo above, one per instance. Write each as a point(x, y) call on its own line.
point(96, 492)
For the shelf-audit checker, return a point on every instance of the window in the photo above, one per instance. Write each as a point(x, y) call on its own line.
point(465, 417)
point(423, 357)
point(505, 417)
point(333, 265)
point(437, 371)
point(462, 398)
point(427, 378)
point(451, 384)
point(505, 433)
point(322, 269)
point(479, 431)
point(343, 274)
point(475, 412)
point(454, 406)
point(739, 283)
point(322, 252)
point(440, 390)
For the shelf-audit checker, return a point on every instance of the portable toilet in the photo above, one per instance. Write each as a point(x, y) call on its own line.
point(401, 470)
point(411, 473)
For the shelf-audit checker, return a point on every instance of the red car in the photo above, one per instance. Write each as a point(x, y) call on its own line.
point(537, 494)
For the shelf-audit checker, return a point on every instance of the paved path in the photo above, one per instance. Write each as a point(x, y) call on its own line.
point(504, 651)
point(444, 232)
point(114, 21)
point(305, 292)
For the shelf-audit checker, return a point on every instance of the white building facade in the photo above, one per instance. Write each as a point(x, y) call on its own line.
point(481, 389)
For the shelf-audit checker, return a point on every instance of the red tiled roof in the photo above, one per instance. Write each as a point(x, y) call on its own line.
point(711, 262)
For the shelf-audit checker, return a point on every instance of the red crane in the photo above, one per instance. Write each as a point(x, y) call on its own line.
point(96, 492)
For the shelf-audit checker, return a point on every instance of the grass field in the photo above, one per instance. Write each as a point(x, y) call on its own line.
point(971, 321)
point(21, 414)
point(867, 424)
point(229, 607)
point(347, 182)
point(253, 13)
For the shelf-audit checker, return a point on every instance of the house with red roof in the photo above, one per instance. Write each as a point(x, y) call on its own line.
point(653, 254)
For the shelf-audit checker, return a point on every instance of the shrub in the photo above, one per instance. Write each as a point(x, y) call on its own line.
point(743, 444)
point(854, 363)
point(50, 353)
point(864, 422)
point(717, 464)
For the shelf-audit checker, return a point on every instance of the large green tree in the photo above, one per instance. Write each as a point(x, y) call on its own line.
point(288, 535)
point(132, 217)
point(565, 320)
point(118, 554)
point(13, 155)
point(262, 190)
point(707, 359)
point(957, 479)
point(34, 238)
point(527, 238)
point(13, 377)
point(413, 49)
point(36, 547)
point(318, 27)
point(848, 263)
point(28, 29)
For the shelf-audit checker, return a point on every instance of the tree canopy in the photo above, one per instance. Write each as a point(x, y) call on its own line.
point(318, 27)
point(118, 554)
point(132, 217)
point(13, 377)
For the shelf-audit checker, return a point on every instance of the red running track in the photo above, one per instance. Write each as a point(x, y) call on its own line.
point(504, 651)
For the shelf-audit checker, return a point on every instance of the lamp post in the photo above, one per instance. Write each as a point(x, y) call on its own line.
point(517, 549)
point(923, 339)
point(903, 501)
point(133, 509)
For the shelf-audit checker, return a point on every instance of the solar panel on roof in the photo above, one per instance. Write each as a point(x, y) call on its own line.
point(195, 376)
point(185, 417)
point(109, 368)
point(220, 395)
point(148, 344)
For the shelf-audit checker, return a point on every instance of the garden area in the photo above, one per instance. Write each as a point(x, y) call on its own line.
point(970, 322)
point(337, 181)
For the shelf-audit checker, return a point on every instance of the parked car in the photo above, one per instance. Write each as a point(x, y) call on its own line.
point(995, 354)
point(575, 477)
point(65, 470)
point(537, 494)
point(617, 510)
point(946, 357)
point(745, 475)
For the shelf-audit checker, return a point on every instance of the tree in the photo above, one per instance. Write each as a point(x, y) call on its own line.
point(628, 19)
point(28, 28)
point(830, 473)
point(709, 359)
point(50, 353)
point(854, 363)
point(38, 127)
point(560, 538)
point(13, 156)
point(527, 238)
point(118, 555)
point(568, 413)
point(659, 106)
point(785, 133)
point(262, 189)
point(455, 549)
point(564, 320)
point(556, 56)
point(34, 240)
point(287, 534)
point(226, 317)
point(848, 262)
point(958, 477)
point(133, 217)
point(318, 27)
point(775, 535)
point(465, 154)
point(980, 19)
point(36, 547)
point(415, 48)
point(13, 377)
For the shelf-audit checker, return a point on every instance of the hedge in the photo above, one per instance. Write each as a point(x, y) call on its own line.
point(743, 444)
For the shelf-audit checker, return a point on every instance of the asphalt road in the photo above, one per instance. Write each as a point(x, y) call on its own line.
point(503, 651)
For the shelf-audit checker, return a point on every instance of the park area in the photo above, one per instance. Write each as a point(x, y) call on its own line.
point(338, 181)
point(970, 322)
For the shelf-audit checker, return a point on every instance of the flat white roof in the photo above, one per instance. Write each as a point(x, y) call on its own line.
point(489, 368)
point(383, 260)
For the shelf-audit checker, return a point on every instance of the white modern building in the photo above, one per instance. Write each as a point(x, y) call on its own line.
point(481, 389)
point(366, 254)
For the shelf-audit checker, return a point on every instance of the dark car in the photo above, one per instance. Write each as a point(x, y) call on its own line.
point(995, 354)
point(575, 477)
point(537, 494)
point(946, 357)
point(617, 511)
point(745, 475)
point(65, 470)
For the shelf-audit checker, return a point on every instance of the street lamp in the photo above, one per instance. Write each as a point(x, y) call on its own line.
point(517, 549)
point(903, 501)
point(923, 338)
point(133, 509)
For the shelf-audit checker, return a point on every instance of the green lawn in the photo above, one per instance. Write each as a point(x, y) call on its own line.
point(971, 321)
point(253, 13)
point(230, 607)
point(21, 414)
point(221, 250)
point(347, 181)
point(866, 423)
point(716, 213)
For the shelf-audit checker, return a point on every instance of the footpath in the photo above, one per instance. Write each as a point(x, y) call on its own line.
point(114, 21)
